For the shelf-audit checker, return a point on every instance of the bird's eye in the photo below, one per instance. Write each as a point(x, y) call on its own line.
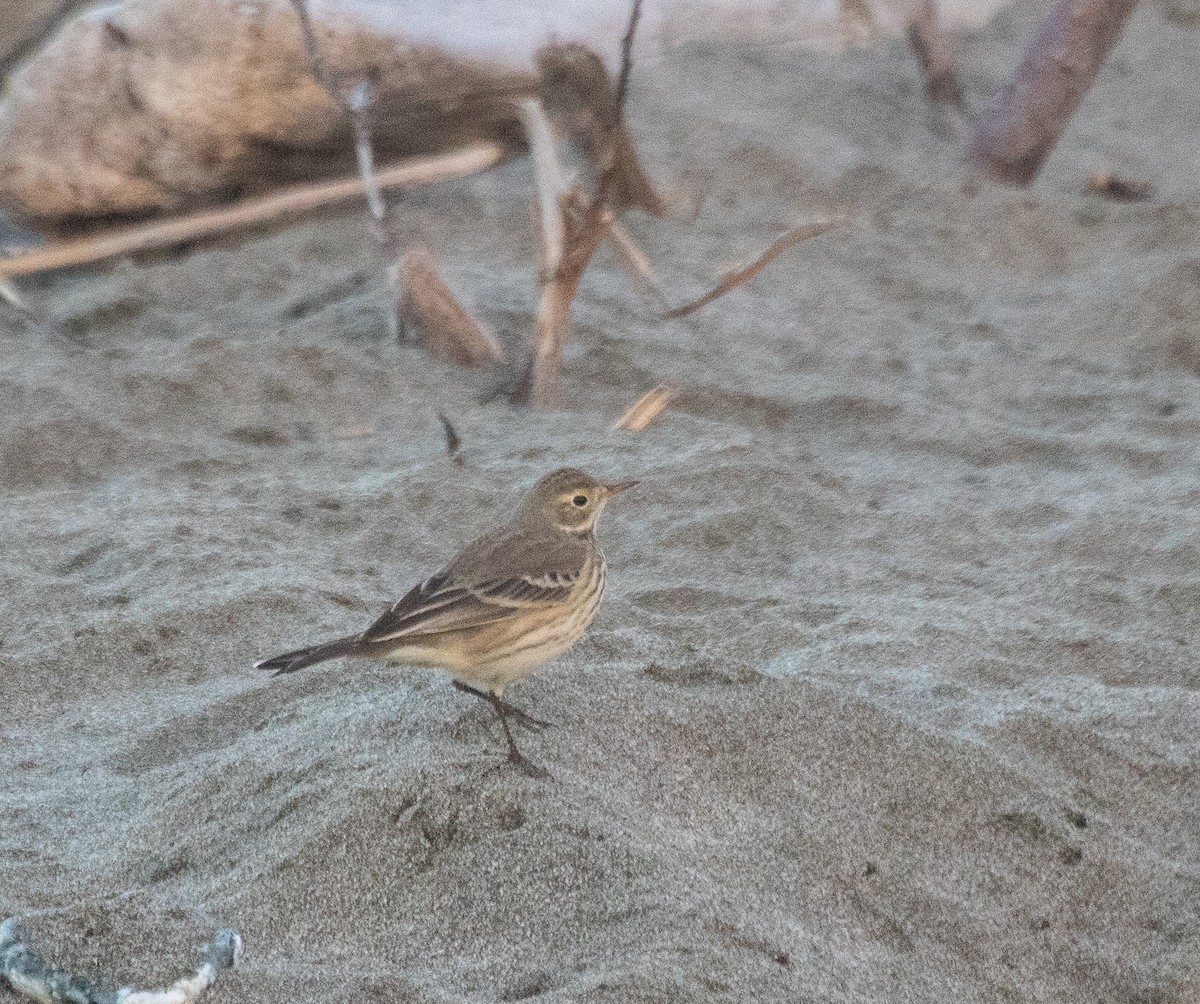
point(580, 500)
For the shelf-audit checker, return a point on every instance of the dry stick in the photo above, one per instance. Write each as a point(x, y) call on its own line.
point(582, 224)
point(585, 226)
point(645, 409)
point(356, 103)
point(1023, 123)
point(549, 179)
point(934, 54)
point(635, 260)
point(735, 278)
point(292, 202)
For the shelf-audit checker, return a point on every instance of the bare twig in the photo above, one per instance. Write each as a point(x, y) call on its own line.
point(1023, 124)
point(645, 409)
point(934, 54)
point(1115, 186)
point(612, 162)
point(635, 15)
point(635, 260)
point(736, 277)
point(356, 102)
point(288, 203)
point(443, 325)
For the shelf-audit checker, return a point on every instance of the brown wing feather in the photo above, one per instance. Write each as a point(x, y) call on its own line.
point(495, 578)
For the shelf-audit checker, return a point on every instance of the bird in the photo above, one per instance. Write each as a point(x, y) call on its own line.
point(510, 602)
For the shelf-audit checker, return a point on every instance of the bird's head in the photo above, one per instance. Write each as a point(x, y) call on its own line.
point(569, 500)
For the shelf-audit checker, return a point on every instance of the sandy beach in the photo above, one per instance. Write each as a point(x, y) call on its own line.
point(894, 692)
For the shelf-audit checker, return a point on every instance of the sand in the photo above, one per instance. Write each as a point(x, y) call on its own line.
point(893, 696)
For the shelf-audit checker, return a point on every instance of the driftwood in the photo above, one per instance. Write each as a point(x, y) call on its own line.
point(152, 107)
point(24, 971)
point(289, 203)
point(1022, 125)
point(441, 323)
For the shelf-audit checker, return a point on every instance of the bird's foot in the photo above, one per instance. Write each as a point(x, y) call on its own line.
point(521, 762)
point(525, 720)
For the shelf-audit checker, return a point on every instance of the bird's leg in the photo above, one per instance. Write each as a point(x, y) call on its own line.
point(515, 756)
point(522, 718)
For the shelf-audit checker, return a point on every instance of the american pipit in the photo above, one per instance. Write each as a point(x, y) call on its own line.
point(511, 601)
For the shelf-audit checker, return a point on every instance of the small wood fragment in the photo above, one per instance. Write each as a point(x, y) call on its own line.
point(735, 278)
point(646, 408)
point(1122, 189)
point(443, 325)
point(8, 293)
point(453, 443)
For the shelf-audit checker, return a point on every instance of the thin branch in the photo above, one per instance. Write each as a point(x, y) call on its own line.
point(1024, 122)
point(635, 260)
point(291, 202)
point(356, 103)
point(612, 162)
point(635, 15)
point(735, 278)
point(360, 101)
point(549, 179)
point(586, 224)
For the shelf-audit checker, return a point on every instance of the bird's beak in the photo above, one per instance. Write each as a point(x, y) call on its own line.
point(619, 487)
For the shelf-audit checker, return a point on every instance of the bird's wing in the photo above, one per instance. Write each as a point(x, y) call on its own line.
point(496, 578)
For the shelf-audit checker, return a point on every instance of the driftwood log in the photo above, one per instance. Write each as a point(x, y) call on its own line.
point(150, 107)
point(1022, 125)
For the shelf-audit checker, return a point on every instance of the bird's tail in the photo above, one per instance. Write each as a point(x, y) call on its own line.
point(289, 662)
